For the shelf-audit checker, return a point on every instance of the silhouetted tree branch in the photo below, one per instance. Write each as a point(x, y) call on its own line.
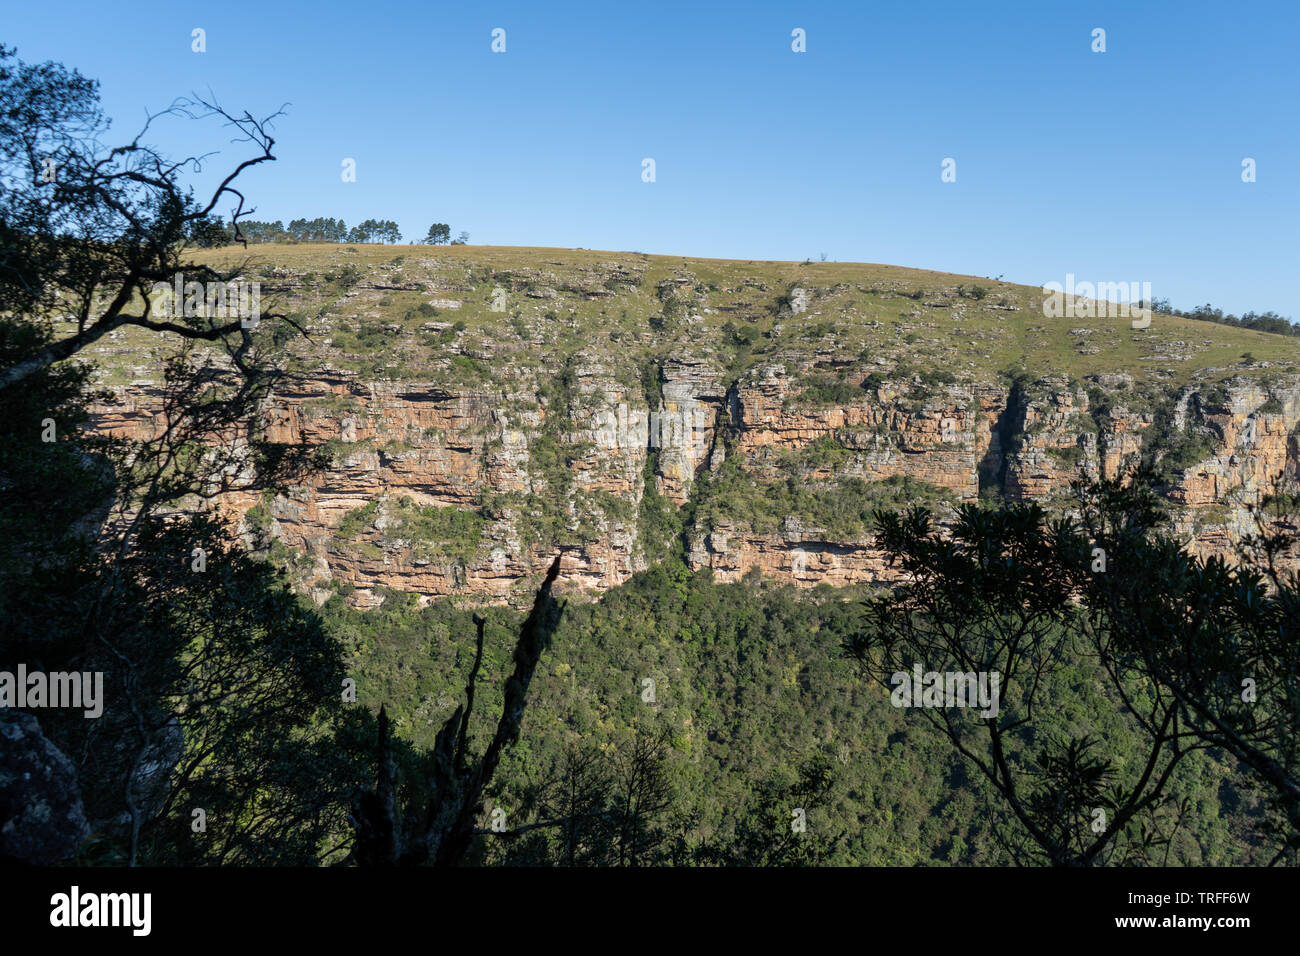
point(456, 791)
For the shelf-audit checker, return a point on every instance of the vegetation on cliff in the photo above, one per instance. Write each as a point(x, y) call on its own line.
point(620, 405)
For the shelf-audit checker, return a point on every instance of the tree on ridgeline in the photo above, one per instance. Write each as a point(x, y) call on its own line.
point(209, 233)
point(375, 230)
point(321, 229)
point(258, 232)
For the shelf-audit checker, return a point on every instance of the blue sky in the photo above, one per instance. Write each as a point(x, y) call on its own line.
point(1116, 166)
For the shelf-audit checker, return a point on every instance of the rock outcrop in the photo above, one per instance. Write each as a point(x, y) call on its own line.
point(42, 820)
point(445, 487)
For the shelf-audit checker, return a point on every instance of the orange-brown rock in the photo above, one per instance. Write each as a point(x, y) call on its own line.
point(520, 464)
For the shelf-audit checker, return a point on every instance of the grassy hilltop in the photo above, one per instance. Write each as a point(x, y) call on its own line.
point(373, 303)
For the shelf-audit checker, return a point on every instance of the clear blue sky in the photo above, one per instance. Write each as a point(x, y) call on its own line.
point(1116, 166)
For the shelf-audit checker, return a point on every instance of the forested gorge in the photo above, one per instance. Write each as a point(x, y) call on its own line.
point(1150, 702)
point(763, 714)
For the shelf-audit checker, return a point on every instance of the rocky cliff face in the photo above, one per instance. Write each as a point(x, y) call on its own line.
point(748, 458)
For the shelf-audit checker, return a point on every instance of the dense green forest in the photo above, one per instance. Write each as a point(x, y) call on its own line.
point(764, 714)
